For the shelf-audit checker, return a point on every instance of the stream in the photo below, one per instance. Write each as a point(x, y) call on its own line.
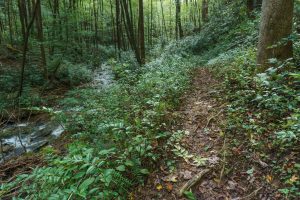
point(30, 136)
point(27, 137)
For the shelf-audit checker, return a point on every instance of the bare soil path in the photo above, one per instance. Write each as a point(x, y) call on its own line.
point(203, 117)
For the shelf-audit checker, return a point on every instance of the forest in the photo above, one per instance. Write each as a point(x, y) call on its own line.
point(150, 99)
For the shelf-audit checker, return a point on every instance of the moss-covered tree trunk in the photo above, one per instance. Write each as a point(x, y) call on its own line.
point(276, 24)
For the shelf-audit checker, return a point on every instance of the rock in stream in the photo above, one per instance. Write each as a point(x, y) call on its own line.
point(19, 138)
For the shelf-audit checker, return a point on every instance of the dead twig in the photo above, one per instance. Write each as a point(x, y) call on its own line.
point(212, 117)
point(224, 161)
point(7, 194)
point(192, 182)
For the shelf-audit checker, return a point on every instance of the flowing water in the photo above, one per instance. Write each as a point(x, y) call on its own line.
point(28, 136)
point(103, 76)
point(20, 138)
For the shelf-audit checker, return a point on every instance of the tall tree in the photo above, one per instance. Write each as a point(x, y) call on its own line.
point(8, 7)
point(129, 27)
point(26, 33)
point(250, 7)
point(179, 31)
point(164, 28)
point(205, 10)
point(276, 24)
point(1, 29)
point(40, 36)
point(141, 32)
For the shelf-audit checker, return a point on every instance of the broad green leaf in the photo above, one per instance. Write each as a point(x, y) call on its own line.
point(85, 184)
point(145, 171)
point(121, 168)
point(189, 195)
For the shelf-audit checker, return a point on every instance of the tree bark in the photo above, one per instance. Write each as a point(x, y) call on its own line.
point(179, 31)
point(205, 10)
point(164, 27)
point(276, 24)
point(250, 8)
point(8, 5)
point(141, 32)
point(129, 27)
point(26, 34)
point(40, 36)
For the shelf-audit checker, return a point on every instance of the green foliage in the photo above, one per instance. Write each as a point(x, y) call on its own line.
point(228, 27)
point(120, 132)
point(264, 110)
point(118, 128)
point(74, 74)
point(189, 195)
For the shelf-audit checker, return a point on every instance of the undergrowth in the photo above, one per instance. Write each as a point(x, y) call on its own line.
point(122, 131)
point(263, 115)
point(117, 133)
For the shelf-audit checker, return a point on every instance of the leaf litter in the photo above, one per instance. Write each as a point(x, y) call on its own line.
point(201, 161)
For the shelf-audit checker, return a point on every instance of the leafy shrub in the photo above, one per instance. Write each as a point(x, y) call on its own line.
point(74, 74)
point(264, 111)
point(116, 129)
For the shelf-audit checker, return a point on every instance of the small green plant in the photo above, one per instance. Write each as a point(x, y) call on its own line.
point(264, 109)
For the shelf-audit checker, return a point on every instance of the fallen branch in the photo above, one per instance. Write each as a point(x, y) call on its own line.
point(212, 117)
point(193, 181)
point(251, 195)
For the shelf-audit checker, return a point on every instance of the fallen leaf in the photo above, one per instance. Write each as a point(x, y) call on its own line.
point(131, 196)
point(217, 180)
point(169, 187)
point(213, 160)
point(170, 178)
point(159, 187)
point(294, 178)
point(269, 178)
point(222, 134)
point(187, 175)
point(232, 185)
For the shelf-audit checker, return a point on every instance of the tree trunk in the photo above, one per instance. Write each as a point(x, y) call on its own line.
point(95, 12)
point(1, 30)
point(141, 32)
point(257, 3)
point(164, 28)
point(40, 36)
point(276, 24)
point(26, 34)
point(179, 32)
point(128, 19)
point(250, 8)
point(151, 23)
point(9, 22)
point(205, 10)
point(118, 26)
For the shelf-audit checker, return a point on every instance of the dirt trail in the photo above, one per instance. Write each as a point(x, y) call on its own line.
point(202, 115)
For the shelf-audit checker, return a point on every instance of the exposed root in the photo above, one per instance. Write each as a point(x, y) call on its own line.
point(192, 182)
point(251, 196)
point(212, 117)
